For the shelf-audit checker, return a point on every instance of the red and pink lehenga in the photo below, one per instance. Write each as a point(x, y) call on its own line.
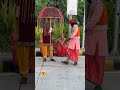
point(59, 48)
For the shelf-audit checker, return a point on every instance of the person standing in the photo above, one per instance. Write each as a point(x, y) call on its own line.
point(74, 43)
point(47, 41)
point(25, 44)
point(96, 47)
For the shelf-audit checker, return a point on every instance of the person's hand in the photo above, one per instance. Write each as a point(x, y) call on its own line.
point(50, 31)
point(63, 43)
point(67, 40)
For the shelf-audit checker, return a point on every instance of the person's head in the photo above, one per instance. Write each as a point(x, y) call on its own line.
point(72, 22)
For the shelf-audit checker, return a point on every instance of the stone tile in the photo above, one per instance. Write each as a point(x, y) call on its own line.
point(111, 81)
point(9, 81)
point(31, 83)
point(62, 78)
point(59, 59)
point(38, 61)
point(37, 73)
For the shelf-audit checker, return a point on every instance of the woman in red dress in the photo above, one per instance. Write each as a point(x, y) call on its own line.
point(59, 47)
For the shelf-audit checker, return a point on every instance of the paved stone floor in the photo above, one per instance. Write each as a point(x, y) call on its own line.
point(10, 81)
point(111, 81)
point(59, 76)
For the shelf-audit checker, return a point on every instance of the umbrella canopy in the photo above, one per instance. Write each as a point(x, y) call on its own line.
point(50, 12)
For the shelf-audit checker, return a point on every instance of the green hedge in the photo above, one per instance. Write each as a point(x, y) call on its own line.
point(111, 18)
point(7, 17)
point(4, 37)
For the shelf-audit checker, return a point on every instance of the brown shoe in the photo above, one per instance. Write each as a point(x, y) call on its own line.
point(98, 87)
point(44, 60)
point(23, 80)
point(65, 62)
point(53, 60)
point(75, 64)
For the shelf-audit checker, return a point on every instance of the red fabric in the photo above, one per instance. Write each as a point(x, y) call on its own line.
point(46, 34)
point(72, 21)
point(94, 68)
point(60, 50)
point(50, 12)
point(73, 54)
point(26, 32)
point(27, 8)
point(26, 21)
point(104, 19)
point(64, 50)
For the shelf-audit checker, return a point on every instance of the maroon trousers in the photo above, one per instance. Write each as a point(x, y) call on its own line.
point(94, 68)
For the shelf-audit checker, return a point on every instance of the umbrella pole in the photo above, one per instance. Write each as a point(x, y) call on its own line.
point(50, 40)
